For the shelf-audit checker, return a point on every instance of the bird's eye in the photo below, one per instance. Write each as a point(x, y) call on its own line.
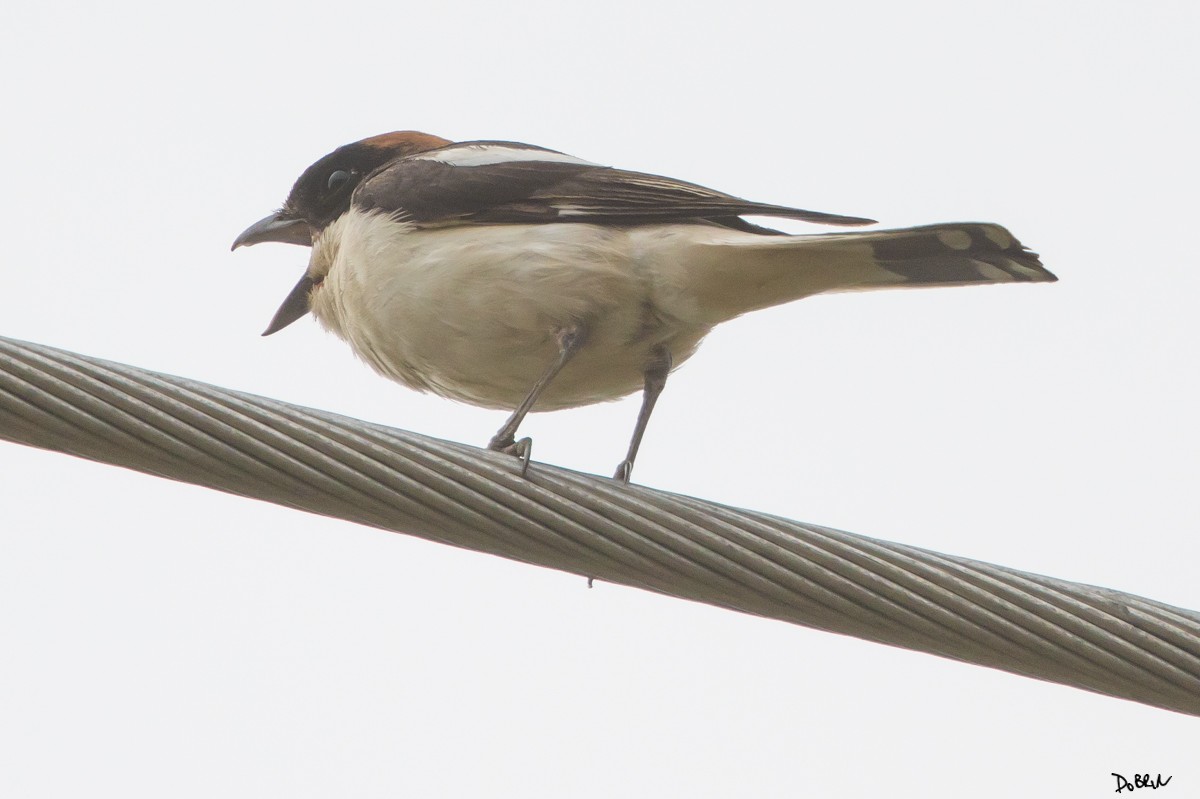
point(337, 180)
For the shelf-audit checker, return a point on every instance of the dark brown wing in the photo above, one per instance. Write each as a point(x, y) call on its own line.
point(497, 182)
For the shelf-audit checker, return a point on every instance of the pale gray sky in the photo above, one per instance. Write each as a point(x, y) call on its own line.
point(163, 640)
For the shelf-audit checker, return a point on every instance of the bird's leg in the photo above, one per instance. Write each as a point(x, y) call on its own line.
point(656, 378)
point(570, 340)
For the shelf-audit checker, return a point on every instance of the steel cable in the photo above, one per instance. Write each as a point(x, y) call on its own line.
point(1084, 636)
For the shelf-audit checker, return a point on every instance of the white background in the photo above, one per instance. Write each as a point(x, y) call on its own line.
point(163, 640)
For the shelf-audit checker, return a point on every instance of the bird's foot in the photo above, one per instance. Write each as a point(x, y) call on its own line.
point(624, 471)
point(522, 448)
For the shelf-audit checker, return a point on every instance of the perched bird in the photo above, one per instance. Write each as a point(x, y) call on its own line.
point(511, 276)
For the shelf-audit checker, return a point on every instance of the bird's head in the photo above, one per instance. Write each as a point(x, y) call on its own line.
point(322, 193)
point(320, 196)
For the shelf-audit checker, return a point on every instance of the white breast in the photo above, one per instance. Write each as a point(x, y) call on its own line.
point(472, 312)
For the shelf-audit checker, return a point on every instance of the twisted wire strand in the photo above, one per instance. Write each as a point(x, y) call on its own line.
point(1088, 637)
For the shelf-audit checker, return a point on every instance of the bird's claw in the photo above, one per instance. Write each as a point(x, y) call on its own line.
point(624, 471)
point(522, 448)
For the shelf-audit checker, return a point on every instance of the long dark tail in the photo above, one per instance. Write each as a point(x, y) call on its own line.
point(740, 273)
point(954, 254)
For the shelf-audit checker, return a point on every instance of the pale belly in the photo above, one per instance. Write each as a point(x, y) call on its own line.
point(474, 313)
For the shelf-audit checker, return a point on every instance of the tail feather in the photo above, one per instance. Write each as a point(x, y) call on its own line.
point(734, 273)
point(955, 255)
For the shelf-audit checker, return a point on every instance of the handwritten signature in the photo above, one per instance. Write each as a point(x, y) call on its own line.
point(1139, 781)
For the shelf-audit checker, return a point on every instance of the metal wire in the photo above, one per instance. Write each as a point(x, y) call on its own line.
point(1079, 635)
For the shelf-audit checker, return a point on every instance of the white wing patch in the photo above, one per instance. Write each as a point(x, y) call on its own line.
point(485, 154)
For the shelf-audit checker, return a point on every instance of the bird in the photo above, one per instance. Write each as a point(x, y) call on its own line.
point(515, 277)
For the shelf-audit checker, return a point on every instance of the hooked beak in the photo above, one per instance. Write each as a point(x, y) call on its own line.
point(286, 229)
point(294, 307)
point(278, 227)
